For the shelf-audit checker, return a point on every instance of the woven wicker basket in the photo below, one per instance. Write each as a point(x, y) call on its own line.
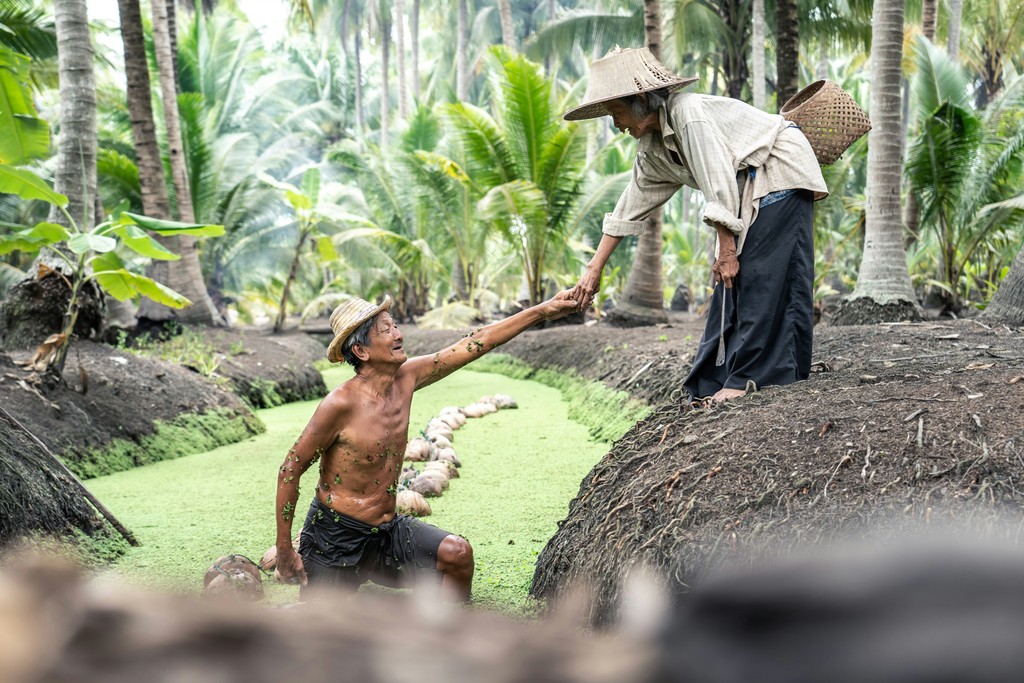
point(829, 118)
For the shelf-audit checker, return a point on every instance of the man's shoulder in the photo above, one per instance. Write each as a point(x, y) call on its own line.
point(339, 398)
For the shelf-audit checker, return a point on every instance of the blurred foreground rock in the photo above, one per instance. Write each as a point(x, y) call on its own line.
point(948, 613)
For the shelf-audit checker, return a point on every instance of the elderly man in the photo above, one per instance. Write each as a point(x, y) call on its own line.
point(759, 177)
point(352, 533)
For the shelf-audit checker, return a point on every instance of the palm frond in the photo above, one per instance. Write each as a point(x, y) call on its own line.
point(939, 80)
point(586, 31)
point(118, 178)
point(527, 114)
point(489, 161)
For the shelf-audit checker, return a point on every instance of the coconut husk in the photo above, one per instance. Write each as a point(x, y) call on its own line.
point(439, 440)
point(418, 450)
point(436, 474)
point(408, 474)
point(504, 401)
point(454, 420)
point(234, 576)
point(428, 486)
point(447, 466)
point(448, 455)
point(473, 410)
point(439, 426)
point(412, 503)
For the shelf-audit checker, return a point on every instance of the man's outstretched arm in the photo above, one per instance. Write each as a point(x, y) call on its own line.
point(428, 369)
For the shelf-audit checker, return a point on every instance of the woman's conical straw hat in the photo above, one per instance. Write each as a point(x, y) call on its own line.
point(621, 73)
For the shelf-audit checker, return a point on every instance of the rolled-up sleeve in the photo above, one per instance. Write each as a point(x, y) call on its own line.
point(641, 197)
point(712, 167)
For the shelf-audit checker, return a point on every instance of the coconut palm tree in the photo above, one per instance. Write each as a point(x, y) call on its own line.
point(883, 290)
point(461, 51)
point(527, 166)
point(1008, 302)
point(28, 29)
point(153, 184)
point(997, 39)
point(757, 55)
point(787, 49)
point(508, 31)
point(953, 34)
point(185, 275)
point(643, 299)
point(962, 161)
point(75, 175)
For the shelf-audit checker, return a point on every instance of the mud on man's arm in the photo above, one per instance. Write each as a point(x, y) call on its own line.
point(429, 369)
point(319, 434)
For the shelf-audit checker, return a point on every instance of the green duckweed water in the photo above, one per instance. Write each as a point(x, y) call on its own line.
point(520, 470)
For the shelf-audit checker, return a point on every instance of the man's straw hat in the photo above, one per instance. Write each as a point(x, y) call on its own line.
point(621, 73)
point(346, 318)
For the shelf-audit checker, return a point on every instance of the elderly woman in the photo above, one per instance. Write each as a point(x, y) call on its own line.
point(759, 177)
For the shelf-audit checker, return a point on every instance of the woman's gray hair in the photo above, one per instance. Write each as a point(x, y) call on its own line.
point(641, 108)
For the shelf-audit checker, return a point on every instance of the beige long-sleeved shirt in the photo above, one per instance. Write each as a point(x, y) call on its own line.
point(714, 138)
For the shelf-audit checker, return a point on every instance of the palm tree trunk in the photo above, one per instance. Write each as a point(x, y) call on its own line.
point(757, 55)
point(643, 302)
point(356, 48)
point(461, 50)
point(385, 56)
point(400, 51)
point(929, 18)
point(282, 312)
point(883, 292)
point(508, 33)
point(343, 26)
point(185, 275)
point(821, 69)
point(953, 40)
point(787, 50)
point(75, 176)
point(1008, 302)
point(152, 182)
point(414, 38)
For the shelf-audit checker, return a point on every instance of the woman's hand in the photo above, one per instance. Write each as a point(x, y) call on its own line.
point(726, 268)
point(588, 286)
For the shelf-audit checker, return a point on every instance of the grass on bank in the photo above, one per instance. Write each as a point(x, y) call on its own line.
point(520, 470)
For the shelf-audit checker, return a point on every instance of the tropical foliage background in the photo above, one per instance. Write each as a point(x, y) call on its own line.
point(416, 147)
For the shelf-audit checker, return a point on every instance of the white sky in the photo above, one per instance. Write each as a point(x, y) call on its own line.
point(268, 16)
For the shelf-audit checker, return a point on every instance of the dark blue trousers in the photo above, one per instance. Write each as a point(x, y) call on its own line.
point(769, 312)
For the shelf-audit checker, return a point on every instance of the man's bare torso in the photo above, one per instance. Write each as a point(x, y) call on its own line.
point(359, 471)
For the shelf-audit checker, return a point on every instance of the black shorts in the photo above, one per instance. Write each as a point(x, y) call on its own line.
point(341, 551)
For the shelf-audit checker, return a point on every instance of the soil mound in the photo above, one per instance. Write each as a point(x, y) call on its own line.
point(268, 370)
point(901, 427)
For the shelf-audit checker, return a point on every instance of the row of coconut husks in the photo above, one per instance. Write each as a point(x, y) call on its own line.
point(435, 450)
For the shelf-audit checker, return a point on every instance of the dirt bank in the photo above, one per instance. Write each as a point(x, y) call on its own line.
point(903, 425)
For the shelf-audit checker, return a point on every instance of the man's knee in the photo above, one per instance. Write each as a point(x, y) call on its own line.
point(455, 556)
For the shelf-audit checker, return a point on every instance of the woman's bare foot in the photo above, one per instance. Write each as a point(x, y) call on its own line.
point(727, 394)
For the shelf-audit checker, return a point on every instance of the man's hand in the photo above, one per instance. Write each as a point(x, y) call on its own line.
point(289, 566)
point(588, 286)
point(726, 268)
point(559, 306)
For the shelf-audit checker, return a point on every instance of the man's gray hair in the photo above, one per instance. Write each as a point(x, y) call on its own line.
point(656, 99)
point(361, 336)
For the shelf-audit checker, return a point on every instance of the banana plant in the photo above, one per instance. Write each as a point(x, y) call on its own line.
point(90, 255)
